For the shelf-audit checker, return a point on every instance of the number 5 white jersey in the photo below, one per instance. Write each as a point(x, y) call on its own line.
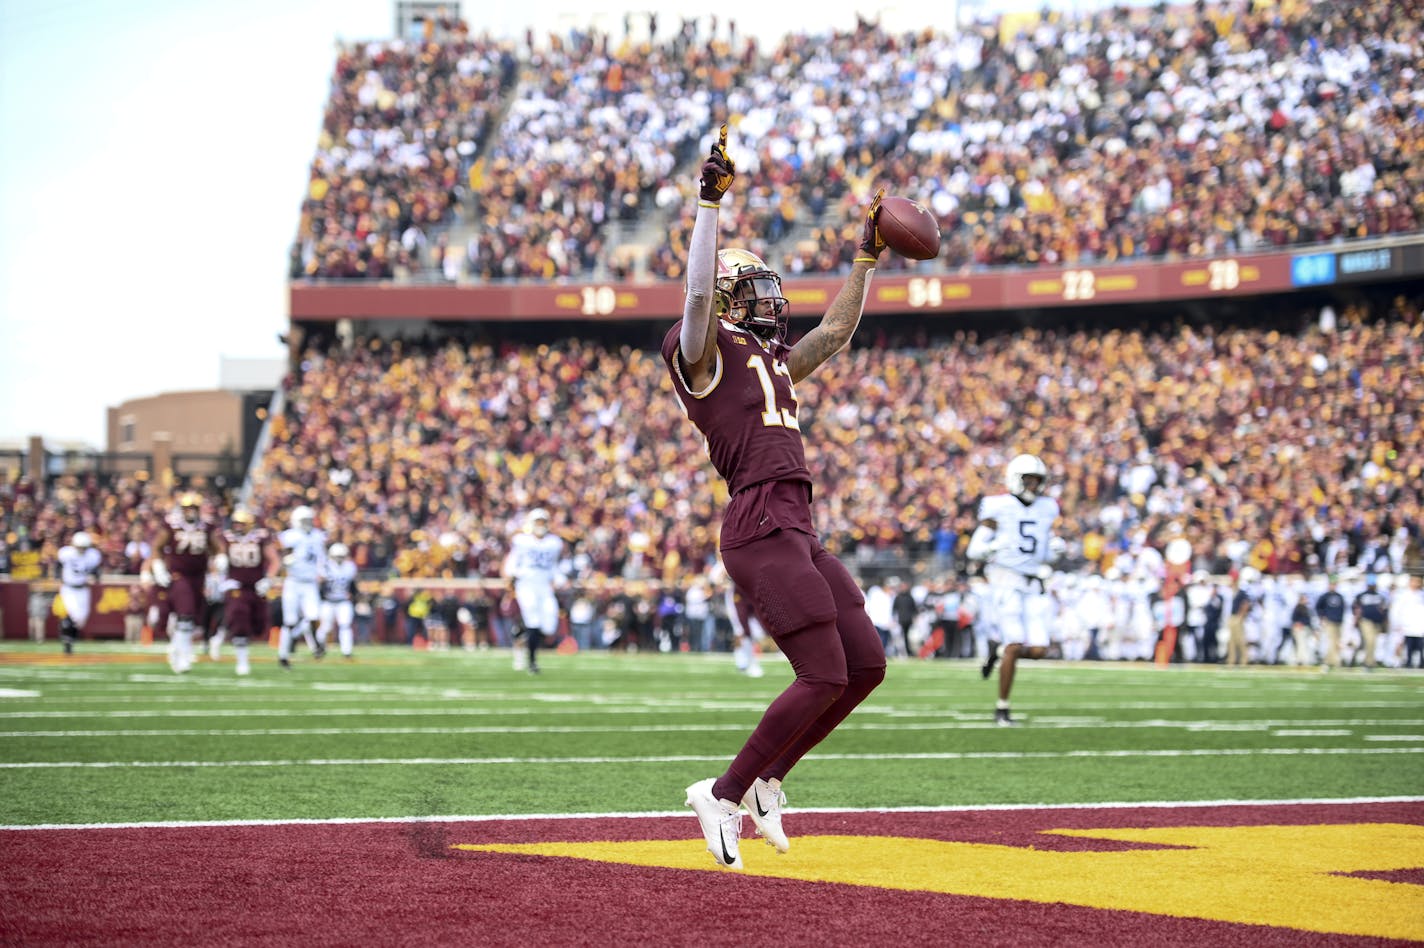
point(1022, 531)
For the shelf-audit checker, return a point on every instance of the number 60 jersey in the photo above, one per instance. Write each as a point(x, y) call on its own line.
point(1021, 531)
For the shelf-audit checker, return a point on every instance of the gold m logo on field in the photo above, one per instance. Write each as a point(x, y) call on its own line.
point(1284, 876)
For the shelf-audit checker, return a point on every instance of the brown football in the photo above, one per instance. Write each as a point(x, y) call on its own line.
point(908, 228)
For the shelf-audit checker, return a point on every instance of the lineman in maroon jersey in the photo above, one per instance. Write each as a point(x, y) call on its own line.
point(734, 373)
point(252, 561)
point(180, 563)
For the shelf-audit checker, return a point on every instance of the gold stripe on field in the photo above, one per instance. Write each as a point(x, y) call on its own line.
point(1282, 876)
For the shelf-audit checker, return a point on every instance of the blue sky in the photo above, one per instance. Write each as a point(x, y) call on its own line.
point(153, 155)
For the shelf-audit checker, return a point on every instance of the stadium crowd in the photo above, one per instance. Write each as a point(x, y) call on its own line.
point(1067, 138)
point(403, 127)
point(1289, 451)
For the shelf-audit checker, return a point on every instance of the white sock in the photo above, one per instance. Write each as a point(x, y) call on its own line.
point(346, 639)
point(284, 643)
point(307, 635)
point(241, 650)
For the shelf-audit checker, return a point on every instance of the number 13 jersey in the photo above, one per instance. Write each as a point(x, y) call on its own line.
point(747, 412)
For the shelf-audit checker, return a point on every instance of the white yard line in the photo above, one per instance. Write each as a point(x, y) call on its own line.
point(663, 814)
point(702, 758)
point(1282, 728)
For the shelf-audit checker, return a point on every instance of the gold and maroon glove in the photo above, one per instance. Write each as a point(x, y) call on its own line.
point(717, 171)
point(871, 243)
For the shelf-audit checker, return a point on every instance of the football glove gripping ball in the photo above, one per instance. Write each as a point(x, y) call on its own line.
point(717, 171)
point(871, 243)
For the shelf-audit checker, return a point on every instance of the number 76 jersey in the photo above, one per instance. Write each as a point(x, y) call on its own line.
point(1021, 531)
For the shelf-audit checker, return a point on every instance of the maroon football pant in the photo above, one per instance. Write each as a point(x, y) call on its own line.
point(186, 596)
point(815, 613)
point(246, 614)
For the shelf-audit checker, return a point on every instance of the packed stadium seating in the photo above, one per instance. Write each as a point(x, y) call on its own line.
point(1284, 441)
point(403, 128)
point(1284, 446)
point(1067, 138)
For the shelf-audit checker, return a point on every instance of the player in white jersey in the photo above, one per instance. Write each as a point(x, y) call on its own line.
point(337, 585)
point(1015, 542)
point(78, 574)
point(533, 565)
point(304, 559)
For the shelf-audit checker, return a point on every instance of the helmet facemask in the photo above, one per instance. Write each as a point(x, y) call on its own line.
point(749, 294)
point(1026, 477)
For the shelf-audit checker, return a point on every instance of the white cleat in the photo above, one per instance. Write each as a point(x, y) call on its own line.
point(764, 803)
point(721, 823)
point(754, 670)
point(214, 649)
point(243, 671)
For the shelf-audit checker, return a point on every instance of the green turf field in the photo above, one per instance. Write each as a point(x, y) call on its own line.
point(399, 733)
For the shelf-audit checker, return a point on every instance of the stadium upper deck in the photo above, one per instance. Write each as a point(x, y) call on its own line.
point(1164, 133)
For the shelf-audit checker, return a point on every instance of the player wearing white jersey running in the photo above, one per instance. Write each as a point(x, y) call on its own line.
point(78, 573)
point(532, 565)
point(1015, 542)
point(304, 558)
point(337, 585)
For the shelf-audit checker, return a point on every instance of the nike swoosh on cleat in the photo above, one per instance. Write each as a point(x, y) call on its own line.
point(727, 858)
point(760, 811)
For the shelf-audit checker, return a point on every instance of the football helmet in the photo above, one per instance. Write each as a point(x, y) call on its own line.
point(190, 502)
point(338, 551)
point(537, 520)
point(242, 517)
point(748, 293)
point(303, 518)
point(1025, 465)
point(82, 540)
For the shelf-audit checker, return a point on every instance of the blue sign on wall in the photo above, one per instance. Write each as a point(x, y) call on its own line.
point(1313, 269)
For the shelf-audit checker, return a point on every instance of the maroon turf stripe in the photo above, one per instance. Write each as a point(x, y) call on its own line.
point(397, 883)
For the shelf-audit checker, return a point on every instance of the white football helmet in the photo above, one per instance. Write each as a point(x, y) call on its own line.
point(338, 551)
point(304, 518)
point(748, 293)
point(82, 540)
point(537, 520)
point(1025, 465)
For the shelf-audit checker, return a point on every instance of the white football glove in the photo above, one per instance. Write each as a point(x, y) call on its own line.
point(1057, 546)
point(1003, 540)
point(263, 585)
point(220, 563)
point(161, 576)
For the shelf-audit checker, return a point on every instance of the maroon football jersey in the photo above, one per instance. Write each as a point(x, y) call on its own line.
point(190, 547)
point(748, 413)
point(247, 555)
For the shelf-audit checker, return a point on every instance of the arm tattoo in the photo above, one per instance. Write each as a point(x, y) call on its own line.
point(835, 329)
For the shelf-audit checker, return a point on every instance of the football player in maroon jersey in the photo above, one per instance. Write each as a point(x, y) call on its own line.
point(252, 561)
point(180, 564)
point(734, 373)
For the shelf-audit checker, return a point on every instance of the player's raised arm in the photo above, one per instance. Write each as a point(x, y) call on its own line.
point(841, 319)
point(699, 330)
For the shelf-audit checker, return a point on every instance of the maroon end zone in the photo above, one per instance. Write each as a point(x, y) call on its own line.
point(401, 883)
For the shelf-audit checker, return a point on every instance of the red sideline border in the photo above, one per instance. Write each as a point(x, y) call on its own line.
point(396, 883)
